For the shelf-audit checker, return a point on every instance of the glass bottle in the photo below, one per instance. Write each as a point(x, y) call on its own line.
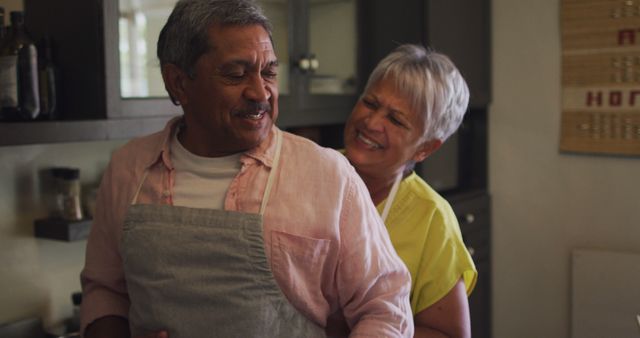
point(19, 88)
point(48, 81)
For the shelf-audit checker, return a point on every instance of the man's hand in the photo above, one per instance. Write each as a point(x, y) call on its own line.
point(108, 327)
point(113, 326)
point(159, 334)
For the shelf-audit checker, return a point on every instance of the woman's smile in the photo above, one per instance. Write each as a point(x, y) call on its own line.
point(367, 141)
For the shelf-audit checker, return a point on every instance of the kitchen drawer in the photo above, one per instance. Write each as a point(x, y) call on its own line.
point(473, 222)
point(473, 211)
point(468, 201)
point(478, 246)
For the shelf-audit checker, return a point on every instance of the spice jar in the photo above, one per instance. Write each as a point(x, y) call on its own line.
point(67, 183)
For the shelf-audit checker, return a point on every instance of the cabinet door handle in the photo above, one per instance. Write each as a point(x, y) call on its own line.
point(308, 63)
point(470, 218)
point(304, 64)
point(315, 64)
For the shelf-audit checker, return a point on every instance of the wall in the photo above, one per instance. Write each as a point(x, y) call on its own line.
point(39, 275)
point(544, 203)
point(10, 5)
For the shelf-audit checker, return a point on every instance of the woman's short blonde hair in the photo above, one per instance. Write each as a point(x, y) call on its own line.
point(431, 82)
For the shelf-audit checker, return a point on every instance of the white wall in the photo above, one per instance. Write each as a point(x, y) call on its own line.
point(38, 276)
point(544, 203)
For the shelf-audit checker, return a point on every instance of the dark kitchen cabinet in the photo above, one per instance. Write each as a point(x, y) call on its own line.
point(474, 216)
point(85, 41)
point(462, 30)
point(459, 28)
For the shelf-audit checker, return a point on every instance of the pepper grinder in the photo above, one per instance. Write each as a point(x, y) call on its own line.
point(67, 183)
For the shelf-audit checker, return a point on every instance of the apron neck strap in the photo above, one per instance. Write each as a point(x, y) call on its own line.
point(391, 197)
point(272, 174)
point(144, 177)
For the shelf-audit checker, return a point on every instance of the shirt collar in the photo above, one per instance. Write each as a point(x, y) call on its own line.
point(263, 153)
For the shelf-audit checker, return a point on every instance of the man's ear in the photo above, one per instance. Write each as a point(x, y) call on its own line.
point(175, 82)
point(425, 149)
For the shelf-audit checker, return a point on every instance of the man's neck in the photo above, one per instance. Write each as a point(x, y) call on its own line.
point(202, 149)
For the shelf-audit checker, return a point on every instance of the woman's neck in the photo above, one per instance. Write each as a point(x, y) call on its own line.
point(378, 186)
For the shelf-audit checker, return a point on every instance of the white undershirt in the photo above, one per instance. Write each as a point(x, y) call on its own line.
point(201, 182)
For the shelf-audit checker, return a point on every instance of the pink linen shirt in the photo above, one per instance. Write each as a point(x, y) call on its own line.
point(326, 244)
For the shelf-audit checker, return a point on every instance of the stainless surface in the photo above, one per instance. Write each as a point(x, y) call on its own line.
point(25, 328)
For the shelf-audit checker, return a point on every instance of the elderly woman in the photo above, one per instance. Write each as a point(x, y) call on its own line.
point(414, 100)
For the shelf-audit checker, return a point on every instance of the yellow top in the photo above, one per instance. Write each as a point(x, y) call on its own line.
point(425, 233)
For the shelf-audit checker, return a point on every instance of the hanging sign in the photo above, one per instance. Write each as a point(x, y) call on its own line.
point(600, 76)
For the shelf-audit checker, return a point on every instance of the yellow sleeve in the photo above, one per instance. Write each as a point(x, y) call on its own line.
point(426, 235)
point(443, 261)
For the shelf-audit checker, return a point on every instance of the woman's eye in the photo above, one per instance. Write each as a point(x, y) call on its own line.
point(369, 103)
point(395, 121)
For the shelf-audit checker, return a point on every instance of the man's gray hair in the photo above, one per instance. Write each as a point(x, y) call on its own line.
point(184, 38)
point(431, 82)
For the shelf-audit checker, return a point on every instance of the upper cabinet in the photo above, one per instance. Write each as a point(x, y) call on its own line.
point(106, 54)
point(94, 104)
point(462, 30)
point(316, 42)
point(111, 85)
point(458, 28)
point(114, 58)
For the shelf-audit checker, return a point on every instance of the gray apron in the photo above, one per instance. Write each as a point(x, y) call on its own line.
point(204, 273)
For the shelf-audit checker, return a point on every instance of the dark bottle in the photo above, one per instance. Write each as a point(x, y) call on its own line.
point(19, 92)
point(73, 323)
point(48, 78)
point(2, 29)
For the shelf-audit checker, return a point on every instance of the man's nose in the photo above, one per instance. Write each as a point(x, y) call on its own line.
point(257, 90)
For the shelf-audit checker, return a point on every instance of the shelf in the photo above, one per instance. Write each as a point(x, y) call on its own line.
point(45, 132)
point(61, 230)
point(329, 2)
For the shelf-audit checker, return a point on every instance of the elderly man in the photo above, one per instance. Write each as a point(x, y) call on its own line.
point(224, 225)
